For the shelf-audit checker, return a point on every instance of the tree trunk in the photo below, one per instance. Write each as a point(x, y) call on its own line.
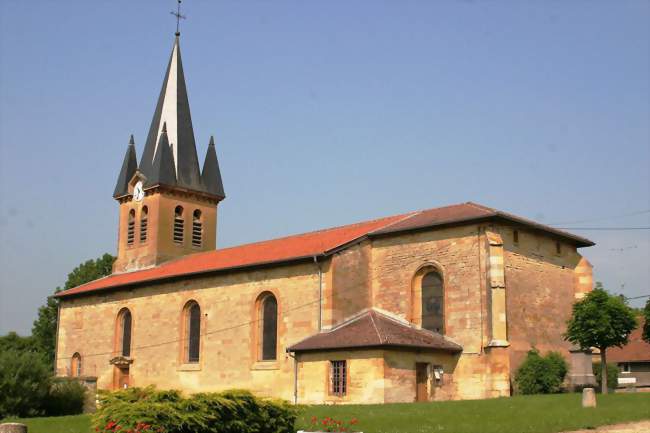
point(603, 371)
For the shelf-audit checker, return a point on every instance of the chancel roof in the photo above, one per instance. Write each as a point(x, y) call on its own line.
point(308, 246)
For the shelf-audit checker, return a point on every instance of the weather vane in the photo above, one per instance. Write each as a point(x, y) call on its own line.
point(179, 17)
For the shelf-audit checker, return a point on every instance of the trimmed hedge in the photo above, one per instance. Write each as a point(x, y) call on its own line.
point(236, 411)
point(612, 375)
point(541, 374)
point(66, 397)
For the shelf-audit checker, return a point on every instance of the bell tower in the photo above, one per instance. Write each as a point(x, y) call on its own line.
point(168, 206)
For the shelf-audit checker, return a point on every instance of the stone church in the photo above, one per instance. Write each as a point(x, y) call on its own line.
point(434, 304)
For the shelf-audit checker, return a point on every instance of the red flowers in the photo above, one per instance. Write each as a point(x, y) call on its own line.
point(140, 427)
point(332, 425)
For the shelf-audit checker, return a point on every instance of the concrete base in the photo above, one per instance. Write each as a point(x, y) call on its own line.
point(588, 397)
point(13, 427)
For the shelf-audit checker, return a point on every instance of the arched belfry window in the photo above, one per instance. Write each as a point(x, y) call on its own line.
point(144, 222)
point(130, 230)
point(75, 365)
point(178, 224)
point(433, 308)
point(124, 329)
point(197, 229)
point(192, 332)
point(268, 326)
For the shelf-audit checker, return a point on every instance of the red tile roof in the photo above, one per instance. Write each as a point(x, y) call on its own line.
point(307, 245)
point(636, 350)
point(375, 329)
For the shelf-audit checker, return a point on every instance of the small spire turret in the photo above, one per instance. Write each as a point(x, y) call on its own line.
point(129, 167)
point(211, 175)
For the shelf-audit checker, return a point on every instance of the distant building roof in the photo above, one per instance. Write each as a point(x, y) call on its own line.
point(636, 350)
point(372, 329)
point(308, 245)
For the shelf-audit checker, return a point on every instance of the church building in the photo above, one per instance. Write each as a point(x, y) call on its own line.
point(435, 304)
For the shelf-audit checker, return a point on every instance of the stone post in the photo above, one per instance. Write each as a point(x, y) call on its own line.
point(13, 427)
point(588, 397)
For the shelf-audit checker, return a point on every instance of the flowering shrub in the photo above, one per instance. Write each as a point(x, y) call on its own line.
point(333, 425)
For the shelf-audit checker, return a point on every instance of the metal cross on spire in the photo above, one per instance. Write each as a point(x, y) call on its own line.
point(179, 17)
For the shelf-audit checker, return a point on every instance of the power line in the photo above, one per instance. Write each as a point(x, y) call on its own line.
point(604, 228)
point(636, 297)
point(640, 212)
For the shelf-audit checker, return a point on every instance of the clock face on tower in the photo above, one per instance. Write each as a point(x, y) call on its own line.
point(138, 191)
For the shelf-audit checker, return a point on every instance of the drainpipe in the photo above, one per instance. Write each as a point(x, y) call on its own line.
point(320, 294)
point(295, 377)
point(56, 340)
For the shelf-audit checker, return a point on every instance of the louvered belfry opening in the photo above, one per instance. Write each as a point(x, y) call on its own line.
point(178, 224)
point(144, 221)
point(130, 232)
point(197, 229)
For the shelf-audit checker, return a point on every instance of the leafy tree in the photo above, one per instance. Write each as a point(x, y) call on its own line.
point(44, 328)
point(24, 383)
point(646, 324)
point(600, 320)
point(13, 342)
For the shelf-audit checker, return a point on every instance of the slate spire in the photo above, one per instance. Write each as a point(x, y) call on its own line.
point(162, 169)
point(129, 167)
point(211, 175)
point(173, 109)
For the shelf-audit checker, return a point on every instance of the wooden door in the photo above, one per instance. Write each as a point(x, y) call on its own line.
point(421, 379)
point(122, 377)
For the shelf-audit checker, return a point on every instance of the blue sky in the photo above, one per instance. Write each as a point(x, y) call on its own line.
point(327, 113)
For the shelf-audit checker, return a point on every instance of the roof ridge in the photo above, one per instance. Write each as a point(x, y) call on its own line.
point(374, 325)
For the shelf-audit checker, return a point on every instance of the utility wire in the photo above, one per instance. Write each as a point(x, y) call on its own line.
point(640, 212)
point(604, 228)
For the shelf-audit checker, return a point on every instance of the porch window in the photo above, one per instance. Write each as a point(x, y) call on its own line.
point(338, 378)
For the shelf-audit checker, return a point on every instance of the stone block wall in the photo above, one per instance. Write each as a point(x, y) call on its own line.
point(229, 344)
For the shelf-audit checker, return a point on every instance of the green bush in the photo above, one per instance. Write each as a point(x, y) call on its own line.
point(167, 411)
point(541, 374)
point(612, 375)
point(24, 383)
point(65, 397)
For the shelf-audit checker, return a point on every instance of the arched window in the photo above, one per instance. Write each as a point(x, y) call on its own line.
point(197, 229)
point(144, 216)
point(433, 308)
point(75, 365)
point(130, 231)
point(192, 332)
point(268, 317)
point(178, 224)
point(124, 327)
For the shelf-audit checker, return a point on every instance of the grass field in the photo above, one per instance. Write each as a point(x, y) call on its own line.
point(522, 414)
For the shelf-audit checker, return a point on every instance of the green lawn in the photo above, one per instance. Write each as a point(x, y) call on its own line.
point(522, 414)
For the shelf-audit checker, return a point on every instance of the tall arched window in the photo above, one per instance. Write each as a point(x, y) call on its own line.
point(178, 224)
point(192, 331)
point(130, 230)
point(433, 308)
point(124, 328)
point(75, 365)
point(197, 229)
point(144, 217)
point(268, 316)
